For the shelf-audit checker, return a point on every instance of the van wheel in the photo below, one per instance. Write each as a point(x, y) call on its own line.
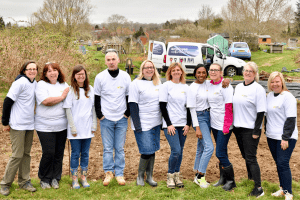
point(231, 71)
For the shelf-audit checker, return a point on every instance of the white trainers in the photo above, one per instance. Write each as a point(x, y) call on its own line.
point(279, 193)
point(288, 196)
point(201, 182)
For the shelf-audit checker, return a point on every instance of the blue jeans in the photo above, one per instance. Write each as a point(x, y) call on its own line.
point(205, 146)
point(148, 141)
point(113, 135)
point(221, 146)
point(80, 148)
point(282, 160)
point(176, 143)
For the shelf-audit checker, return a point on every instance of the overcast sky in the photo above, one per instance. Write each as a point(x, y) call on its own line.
point(143, 11)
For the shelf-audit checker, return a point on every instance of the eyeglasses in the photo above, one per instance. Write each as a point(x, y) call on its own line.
point(83, 74)
point(214, 70)
point(31, 69)
point(111, 50)
point(248, 71)
point(148, 68)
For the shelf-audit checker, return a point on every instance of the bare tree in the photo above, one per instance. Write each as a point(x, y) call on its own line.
point(206, 16)
point(117, 21)
point(64, 15)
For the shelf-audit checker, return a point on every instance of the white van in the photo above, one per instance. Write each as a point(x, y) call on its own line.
point(190, 54)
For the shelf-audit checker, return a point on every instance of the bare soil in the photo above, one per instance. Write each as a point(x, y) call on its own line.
point(265, 160)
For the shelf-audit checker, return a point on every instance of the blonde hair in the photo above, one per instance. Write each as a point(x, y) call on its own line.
point(271, 78)
point(172, 66)
point(155, 77)
point(254, 67)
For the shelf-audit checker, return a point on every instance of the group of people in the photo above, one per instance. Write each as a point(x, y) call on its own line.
point(64, 111)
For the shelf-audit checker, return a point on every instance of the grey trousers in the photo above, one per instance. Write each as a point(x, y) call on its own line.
point(20, 159)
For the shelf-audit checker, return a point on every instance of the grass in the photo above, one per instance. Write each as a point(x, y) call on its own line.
point(131, 191)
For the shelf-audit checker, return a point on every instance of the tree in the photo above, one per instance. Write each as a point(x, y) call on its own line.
point(2, 23)
point(139, 33)
point(66, 16)
point(297, 18)
point(115, 21)
point(206, 16)
point(96, 27)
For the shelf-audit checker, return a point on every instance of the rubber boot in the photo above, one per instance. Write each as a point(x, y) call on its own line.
point(222, 180)
point(75, 184)
point(149, 172)
point(142, 168)
point(84, 182)
point(229, 175)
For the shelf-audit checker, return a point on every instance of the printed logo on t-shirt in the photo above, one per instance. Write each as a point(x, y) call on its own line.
point(216, 93)
point(156, 90)
point(120, 87)
point(276, 106)
point(183, 92)
point(243, 95)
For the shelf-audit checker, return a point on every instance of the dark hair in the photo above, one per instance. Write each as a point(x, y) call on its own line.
point(197, 67)
point(23, 68)
point(74, 84)
point(61, 76)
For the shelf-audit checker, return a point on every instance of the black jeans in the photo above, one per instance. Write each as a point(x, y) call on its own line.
point(248, 147)
point(53, 146)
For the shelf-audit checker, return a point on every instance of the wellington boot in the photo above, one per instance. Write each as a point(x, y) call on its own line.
point(141, 172)
point(149, 172)
point(229, 174)
point(222, 180)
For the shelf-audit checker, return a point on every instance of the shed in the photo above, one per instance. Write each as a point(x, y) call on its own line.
point(264, 39)
point(221, 42)
point(292, 42)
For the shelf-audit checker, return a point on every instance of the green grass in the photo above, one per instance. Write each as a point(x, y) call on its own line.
point(131, 191)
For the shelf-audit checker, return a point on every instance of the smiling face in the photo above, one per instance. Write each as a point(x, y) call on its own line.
point(215, 73)
point(176, 73)
point(80, 78)
point(31, 71)
point(201, 75)
point(112, 60)
point(276, 85)
point(148, 70)
point(249, 74)
point(52, 75)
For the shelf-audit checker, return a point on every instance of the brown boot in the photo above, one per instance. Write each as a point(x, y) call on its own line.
point(170, 181)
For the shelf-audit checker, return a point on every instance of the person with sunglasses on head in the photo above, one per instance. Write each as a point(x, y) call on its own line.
point(176, 119)
point(82, 123)
point(111, 89)
point(18, 119)
point(281, 130)
point(51, 123)
point(221, 118)
point(146, 119)
point(249, 106)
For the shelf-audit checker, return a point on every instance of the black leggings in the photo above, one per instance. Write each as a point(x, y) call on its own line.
point(146, 157)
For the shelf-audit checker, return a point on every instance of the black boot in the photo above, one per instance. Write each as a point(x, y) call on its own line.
point(149, 172)
point(222, 180)
point(142, 168)
point(229, 175)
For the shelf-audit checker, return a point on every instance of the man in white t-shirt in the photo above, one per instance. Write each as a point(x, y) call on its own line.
point(111, 103)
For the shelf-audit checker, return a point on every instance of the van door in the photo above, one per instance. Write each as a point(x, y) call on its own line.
point(218, 57)
point(156, 53)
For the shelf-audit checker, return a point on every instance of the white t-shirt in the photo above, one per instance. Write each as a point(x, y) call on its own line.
point(113, 92)
point(175, 95)
point(22, 111)
point(50, 118)
point(217, 98)
point(278, 110)
point(82, 113)
point(146, 95)
point(247, 102)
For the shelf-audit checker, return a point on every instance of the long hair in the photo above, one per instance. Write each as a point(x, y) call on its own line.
point(61, 76)
point(155, 77)
point(172, 66)
point(74, 84)
point(271, 78)
point(254, 67)
point(23, 68)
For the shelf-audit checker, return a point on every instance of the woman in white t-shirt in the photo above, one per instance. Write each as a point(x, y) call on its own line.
point(146, 118)
point(82, 123)
point(18, 119)
point(281, 130)
point(177, 119)
point(51, 123)
point(249, 106)
point(220, 101)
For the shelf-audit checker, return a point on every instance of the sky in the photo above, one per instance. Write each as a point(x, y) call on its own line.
point(143, 11)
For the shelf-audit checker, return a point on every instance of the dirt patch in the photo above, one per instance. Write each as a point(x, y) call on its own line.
point(279, 58)
point(266, 65)
point(265, 160)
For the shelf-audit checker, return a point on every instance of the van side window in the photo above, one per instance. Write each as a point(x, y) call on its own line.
point(157, 49)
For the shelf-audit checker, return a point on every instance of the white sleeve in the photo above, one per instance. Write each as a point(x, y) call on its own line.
point(15, 89)
point(191, 97)
point(94, 123)
point(163, 92)
point(41, 92)
point(70, 120)
point(194, 117)
point(68, 102)
point(261, 99)
point(92, 94)
point(290, 105)
point(133, 92)
point(97, 86)
point(227, 94)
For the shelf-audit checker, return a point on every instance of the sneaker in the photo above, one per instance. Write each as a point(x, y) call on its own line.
point(288, 196)
point(279, 193)
point(257, 192)
point(45, 185)
point(120, 180)
point(28, 186)
point(108, 177)
point(201, 182)
point(54, 184)
point(4, 190)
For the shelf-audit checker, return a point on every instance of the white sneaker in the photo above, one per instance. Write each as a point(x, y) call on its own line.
point(279, 193)
point(288, 196)
point(201, 182)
